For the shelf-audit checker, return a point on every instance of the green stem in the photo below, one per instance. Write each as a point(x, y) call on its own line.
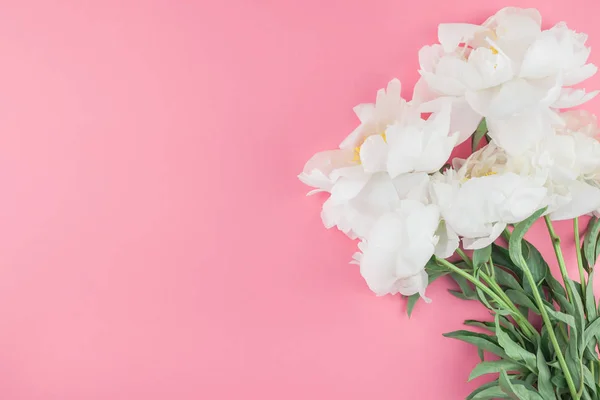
point(492, 270)
point(559, 256)
point(498, 298)
point(506, 234)
point(520, 319)
point(548, 323)
point(578, 251)
point(464, 257)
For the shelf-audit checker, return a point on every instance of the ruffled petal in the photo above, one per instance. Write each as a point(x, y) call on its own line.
point(373, 154)
point(573, 97)
point(451, 35)
point(585, 199)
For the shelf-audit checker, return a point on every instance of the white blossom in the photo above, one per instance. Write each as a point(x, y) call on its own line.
point(398, 247)
point(509, 71)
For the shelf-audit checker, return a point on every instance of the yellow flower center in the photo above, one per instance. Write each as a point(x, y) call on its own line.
point(469, 176)
point(356, 157)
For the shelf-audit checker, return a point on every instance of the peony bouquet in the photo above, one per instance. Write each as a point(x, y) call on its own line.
point(504, 88)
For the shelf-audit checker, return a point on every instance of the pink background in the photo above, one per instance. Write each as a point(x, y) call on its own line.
point(155, 242)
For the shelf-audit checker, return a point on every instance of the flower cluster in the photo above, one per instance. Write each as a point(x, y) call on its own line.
point(391, 184)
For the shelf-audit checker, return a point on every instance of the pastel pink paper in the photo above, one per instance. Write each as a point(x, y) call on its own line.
point(154, 241)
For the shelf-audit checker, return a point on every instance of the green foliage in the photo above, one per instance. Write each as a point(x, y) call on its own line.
point(558, 360)
point(481, 131)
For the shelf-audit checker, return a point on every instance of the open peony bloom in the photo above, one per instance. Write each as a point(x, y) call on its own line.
point(387, 181)
point(374, 119)
point(385, 160)
point(509, 71)
point(487, 191)
point(571, 158)
point(399, 245)
point(391, 186)
point(356, 202)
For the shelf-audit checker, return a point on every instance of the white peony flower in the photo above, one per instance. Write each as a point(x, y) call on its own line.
point(385, 160)
point(580, 121)
point(374, 119)
point(487, 192)
point(355, 204)
point(398, 247)
point(509, 71)
point(572, 160)
point(410, 144)
point(325, 168)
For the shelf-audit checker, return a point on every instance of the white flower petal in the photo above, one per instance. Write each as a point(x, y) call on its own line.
point(373, 154)
point(543, 58)
point(346, 188)
point(442, 84)
point(318, 171)
point(429, 56)
point(463, 119)
point(414, 284)
point(493, 68)
point(518, 133)
point(412, 186)
point(448, 241)
point(578, 75)
point(422, 93)
point(481, 242)
point(584, 200)
point(405, 150)
point(451, 35)
point(573, 97)
point(364, 111)
point(377, 267)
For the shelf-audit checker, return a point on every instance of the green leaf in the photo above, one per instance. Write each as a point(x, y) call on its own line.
point(488, 393)
point(530, 378)
point(501, 256)
point(545, 345)
point(490, 326)
point(555, 288)
point(574, 363)
point(517, 392)
point(522, 299)
point(494, 367)
point(484, 300)
point(513, 350)
point(506, 279)
point(466, 291)
point(591, 332)
point(590, 300)
point(478, 135)
point(578, 313)
point(561, 317)
point(590, 242)
point(544, 384)
point(482, 341)
point(481, 256)
point(535, 262)
point(412, 300)
point(559, 381)
point(515, 248)
point(565, 305)
point(589, 379)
